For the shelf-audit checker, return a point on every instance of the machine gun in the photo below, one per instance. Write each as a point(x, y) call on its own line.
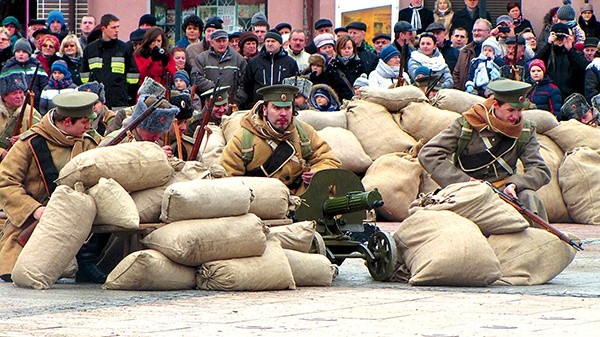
point(337, 201)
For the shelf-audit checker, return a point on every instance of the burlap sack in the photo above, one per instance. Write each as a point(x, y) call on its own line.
point(271, 196)
point(270, 271)
point(579, 180)
point(114, 205)
point(310, 269)
point(455, 100)
point(441, 248)
point(421, 120)
point(477, 202)
point(533, 256)
point(63, 228)
point(397, 177)
point(322, 119)
point(571, 134)
point(297, 236)
point(204, 199)
point(148, 202)
point(551, 194)
point(347, 149)
point(212, 147)
point(150, 270)
point(376, 130)
point(135, 166)
point(194, 242)
point(427, 185)
point(230, 124)
point(394, 99)
point(544, 120)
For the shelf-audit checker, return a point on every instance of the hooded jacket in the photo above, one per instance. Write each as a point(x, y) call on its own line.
point(323, 89)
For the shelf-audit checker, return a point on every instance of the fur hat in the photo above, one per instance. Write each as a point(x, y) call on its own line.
point(161, 118)
point(147, 19)
point(537, 63)
point(184, 103)
point(95, 87)
point(575, 106)
point(182, 75)
point(316, 59)
point(56, 15)
point(245, 37)
point(388, 52)
point(566, 11)
point(324, 39)
point(24, 45)
point(492, 43)
point(362, 81)
point(151, 87)
point(60, 65)
point(301, 83)
point(12, 81)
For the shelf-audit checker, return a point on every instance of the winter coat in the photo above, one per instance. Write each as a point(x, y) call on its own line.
point(5, 55)
point(301, 59)
point(462, 18)
point(73, 64)
point(546, 96)
point(48, 94)
point(367, 56)
point(383, 76)
point(336, 72)
point(450, 54)
point(460, 74)
point(28, 67)
point(155, 65)
point(46, 62)
point(210, 66)
point(564, 68)
point(482, 71)
point(435, 63)
point(522, 26)
point(194, 49)
point(334, 101)
point(590, 28)
point(426, 15)
point(592, 79)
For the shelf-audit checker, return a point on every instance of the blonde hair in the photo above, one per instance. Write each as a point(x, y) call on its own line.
point(71, 38)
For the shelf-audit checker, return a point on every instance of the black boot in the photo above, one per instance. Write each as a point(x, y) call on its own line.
point(6, 277)
point(88, 257)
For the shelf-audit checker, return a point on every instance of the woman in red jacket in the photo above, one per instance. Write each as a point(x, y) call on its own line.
point(153, 58)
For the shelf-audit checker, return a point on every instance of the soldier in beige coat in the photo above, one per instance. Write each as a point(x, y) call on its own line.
point(485, 144)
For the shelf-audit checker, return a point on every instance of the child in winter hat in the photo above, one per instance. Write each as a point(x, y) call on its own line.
point(484, 68)
point(60, 81)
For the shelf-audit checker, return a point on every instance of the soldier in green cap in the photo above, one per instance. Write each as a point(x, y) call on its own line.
point(217, 112)
point(272, 143)
point(28, 172)
point(485, 144)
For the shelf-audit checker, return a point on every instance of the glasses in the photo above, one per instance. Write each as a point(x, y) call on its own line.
point(72, 45)
point(47, 46)
point(530, 38)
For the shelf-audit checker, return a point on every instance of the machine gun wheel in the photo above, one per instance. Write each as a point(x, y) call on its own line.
point(318, 245)
point(383, 247)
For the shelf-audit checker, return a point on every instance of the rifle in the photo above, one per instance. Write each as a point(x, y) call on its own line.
point(207, 110)
point(168, 98)
point(518, 205)
point(135, 122)
point(231, 106)
point(432, 85)
point(21, 114)
point(515, 68)
point(404, 51)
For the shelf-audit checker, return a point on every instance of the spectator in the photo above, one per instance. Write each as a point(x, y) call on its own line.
point(88, 22)
point(22, 61)
point(549, 20)
point(72, 53)
point(195, 49)
point(248, 45)
point(260, 29)
point(153, 58)
point(443, 12)
point(57, 26)
point(180, 59)
point(322, 26)
point(418, 16)
point(467, 17)
point(147, 21)
point(59, 82)
point(592, 78)
point(283, 28)
point(316, 68)
point(5, 49)
point(544, 94)
point(323, 98)
point(192, 29)
point(531, 46)
point(481, 31)
point(48, 54)
point(459, 38)
point(295, 50)
point(234, 41)
point(345, 68)
point(404, 36)
point(380, 41)
point(515, 64)
point(325, 44)
point(504, 30)
point(388, 69)
point(520, 23)
point(14, 28)
point(33, 26)
point(339, 31)
point(449, 53)
point(587, 21)
point(590, 48)
point(484, 68)
point(364, 50)
point(566, 15)
point(361, 81)
point(428, 55)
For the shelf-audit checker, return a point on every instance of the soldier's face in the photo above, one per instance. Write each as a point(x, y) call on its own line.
point(77, 127)
point(218, 111)
point(507, 113)
point(14, 99)
point(279, 117)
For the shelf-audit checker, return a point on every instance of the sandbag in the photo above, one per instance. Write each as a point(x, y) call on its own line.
point(230, 124)
point(571, 134)
point(148, 202)
point(346, 148)
point(455, 100)
point(394, 99)
point(544, 120)
point(270, 271)
point(442, 248)
point(150, 270)
point(421, 120)
point(297, 236)
point(194, 242)
point(551, 194)
point(114, 205)
point(320, 120)
point(477, 202)
point(530, 257)
point(62, 230)
point(212, 147)
point(310, 269)
point(397, 177)
point(427, 185)
point(579, 179)
point(271, 196)
point(375, 129)
point(204, 199)
point(135, 166)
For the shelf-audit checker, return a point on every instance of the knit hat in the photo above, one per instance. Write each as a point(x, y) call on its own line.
point(151, 87)
point(587, 7)
point(12, 81)
point(60, 65)
point(362, 81)
point(24, 45)
point(184, 103)
point(56, 15)
point(324, 39)
point(96, 88)
point(160, 119)
point(147, 19)
point(182, 75)
point(491, 42)
point(274, 36)
point(537, 63)
point(316, 59)
point(258, 17)
point(388, 52)
point(245, 37)
point(301, 83)
point(422, 70)
point(566, 11)
point(11, 20)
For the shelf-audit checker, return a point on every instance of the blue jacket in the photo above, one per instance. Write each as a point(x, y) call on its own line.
point(546, 96)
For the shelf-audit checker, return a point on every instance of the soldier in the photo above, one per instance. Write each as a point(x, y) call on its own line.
point(25, 190)
point(272, 143)
point(218, 110)
point(576, 107)
point(485, 144)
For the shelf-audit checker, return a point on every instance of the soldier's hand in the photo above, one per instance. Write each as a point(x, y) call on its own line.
point(168, 150)
point(37, 214)
point(511, 190)
point(307, 176)
point(14, 139)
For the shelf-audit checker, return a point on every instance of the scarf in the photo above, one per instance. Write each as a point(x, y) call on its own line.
point(62, 84)
point(518, 20)
point(415, 21)
point(47, 129)
point(385, 71)
point(481, 116)
point(435, 62)
point(442, 13)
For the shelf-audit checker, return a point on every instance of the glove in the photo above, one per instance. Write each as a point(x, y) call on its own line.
point(471, 89)
point(159, 54)
point(494, 74)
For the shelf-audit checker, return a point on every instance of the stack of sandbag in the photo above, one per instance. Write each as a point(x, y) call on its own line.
point(572, 133)
point(397, 176)
point(346, 148)
point(455, 100)
point(114, 205)
point(579, 179)
point(376, 130)
point(423, 121)
point(231, 123)
point(394, 99)
point(322, 119)
point(271, 197)
point(544, 120)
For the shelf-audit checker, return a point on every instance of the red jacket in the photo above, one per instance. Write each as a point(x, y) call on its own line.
point(155, 69)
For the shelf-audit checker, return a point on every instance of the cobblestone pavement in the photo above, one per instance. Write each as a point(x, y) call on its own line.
point(355, 305)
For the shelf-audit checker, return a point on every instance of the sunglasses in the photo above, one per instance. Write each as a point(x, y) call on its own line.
point(48, 46)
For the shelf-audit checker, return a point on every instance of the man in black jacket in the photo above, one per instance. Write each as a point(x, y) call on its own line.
point(417, 15)
point(466, 17)
point(365, 51)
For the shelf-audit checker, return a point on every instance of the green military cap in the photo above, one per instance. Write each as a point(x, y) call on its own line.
point(280, 95)
point(76, 104)
point(222, 94)
point(511, 92)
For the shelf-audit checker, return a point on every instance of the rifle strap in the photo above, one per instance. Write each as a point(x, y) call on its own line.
point(343, 76)
point(44, 162)
point(283, 153)
point(30, 121)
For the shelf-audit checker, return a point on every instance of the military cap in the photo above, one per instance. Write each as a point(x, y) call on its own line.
point(183, 102)
point(219, 34)
point(435, 27)
point(381, 36)
point(511, 92)
point(280, 95)
point(403, 26)
point(575, 106)
point(303, 84)
point(426, 81)
point(76, 104)
point(323, 23)
point(357, 25)
point(222, 94)
point(340, 29)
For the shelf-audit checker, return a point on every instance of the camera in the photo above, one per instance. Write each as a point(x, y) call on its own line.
point(560, 36)
point(504, 29)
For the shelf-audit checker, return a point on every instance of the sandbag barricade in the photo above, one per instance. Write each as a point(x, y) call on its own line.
point(455, 100)
point(572, 133)
point(270, 196)
point(212, 145)
point(297, 236)
point(114, 205)
point(230, 124)
point(310, 269)
point(423, 121)
point(394, 99)
point(346, 148)
point(579, 181)
point(320, 120)
point(544, 120)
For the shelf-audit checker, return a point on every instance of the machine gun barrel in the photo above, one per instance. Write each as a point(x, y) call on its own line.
point(352, 202)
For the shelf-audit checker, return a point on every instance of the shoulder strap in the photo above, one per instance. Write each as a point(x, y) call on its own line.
point(44, 162)
point(305, 146)
point(466, 134)
point(525, 136)
point(343, 76)
point(247, 146)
